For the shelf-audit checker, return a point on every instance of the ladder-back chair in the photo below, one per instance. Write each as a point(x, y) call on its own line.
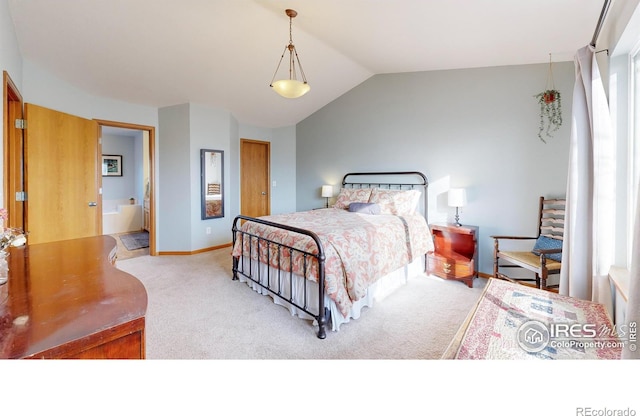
point(545, 257)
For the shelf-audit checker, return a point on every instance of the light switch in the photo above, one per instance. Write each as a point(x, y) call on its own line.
point(274, 184)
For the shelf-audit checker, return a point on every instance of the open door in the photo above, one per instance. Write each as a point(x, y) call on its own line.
point(62, 176)
point(13, 154)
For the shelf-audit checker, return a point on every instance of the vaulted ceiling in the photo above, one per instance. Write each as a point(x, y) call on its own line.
point(223, 53)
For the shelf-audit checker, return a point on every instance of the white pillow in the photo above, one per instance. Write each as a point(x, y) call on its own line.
point(396, 201)
point(349, 195)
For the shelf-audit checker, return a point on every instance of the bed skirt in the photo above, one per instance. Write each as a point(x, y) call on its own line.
point(375, 293)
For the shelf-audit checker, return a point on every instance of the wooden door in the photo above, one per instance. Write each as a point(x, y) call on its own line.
point(255, 198)
point(13, 155)
point(62, 176)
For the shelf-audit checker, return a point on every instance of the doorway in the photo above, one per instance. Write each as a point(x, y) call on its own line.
point(15, 167)
point(13, 155)
point(128, 196)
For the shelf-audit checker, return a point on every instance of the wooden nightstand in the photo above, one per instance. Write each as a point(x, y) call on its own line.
point(456, 252)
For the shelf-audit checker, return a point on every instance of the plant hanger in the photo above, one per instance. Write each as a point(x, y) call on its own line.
point(551, 85)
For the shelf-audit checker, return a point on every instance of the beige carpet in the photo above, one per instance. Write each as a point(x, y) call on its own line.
point(196, 311)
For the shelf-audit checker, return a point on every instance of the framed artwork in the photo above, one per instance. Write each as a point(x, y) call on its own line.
point(111, 165)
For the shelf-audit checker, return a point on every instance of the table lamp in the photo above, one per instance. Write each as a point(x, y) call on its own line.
point(457, 197)
point(327, 192)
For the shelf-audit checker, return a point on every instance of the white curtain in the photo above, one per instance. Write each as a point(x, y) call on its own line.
point(589, 222)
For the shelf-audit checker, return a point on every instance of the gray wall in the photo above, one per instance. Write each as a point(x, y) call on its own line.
point(471, 128)
point(209, 129)
point(174, 194)
point(121, 187)
point(187, 128)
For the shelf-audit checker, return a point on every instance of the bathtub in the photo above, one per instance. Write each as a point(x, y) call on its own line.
point(120, 216)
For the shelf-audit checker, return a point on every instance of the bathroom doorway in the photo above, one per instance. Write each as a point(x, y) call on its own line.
point(127, 154)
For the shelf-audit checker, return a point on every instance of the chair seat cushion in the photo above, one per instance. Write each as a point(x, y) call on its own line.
point(546, 243)
point(529, 259)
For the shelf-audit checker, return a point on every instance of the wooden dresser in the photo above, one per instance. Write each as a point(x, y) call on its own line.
point(67, 299)
point(456, 252)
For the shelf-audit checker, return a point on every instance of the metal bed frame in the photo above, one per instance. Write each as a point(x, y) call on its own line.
point(244, 267)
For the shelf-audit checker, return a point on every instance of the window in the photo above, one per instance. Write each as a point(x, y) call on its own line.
point(634, 143)
point(624, 100)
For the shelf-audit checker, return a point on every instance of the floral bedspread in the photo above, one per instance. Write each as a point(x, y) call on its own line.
point(359, 248)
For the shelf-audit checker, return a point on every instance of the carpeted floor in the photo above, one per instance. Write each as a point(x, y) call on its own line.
point(196, 311)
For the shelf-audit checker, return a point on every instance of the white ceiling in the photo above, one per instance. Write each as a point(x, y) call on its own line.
point(222, 53)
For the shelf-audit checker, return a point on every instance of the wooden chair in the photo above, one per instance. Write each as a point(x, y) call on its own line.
point(213, 189)
point(545, 257)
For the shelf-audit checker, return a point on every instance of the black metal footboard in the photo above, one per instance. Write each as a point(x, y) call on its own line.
point(243, 265)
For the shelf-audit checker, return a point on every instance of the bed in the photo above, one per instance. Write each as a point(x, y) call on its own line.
point(513, 321)
point(214, 205)
point(328, 264)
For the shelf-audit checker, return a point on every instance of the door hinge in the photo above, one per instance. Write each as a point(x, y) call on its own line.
point(21, 123)
point(21, 196)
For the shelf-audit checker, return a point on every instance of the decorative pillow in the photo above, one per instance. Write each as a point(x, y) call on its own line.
point(396, 201)
point(349, 195)
point(364, 208)
point(546, 243)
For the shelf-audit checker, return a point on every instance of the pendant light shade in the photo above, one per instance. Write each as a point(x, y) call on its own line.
point(291, 87)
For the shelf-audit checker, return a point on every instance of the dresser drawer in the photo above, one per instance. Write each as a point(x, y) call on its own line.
point(449, 266)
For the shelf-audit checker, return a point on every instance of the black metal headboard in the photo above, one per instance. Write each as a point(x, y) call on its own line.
point(389, 180)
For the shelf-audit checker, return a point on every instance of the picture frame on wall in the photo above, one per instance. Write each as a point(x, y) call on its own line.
point(111, 165)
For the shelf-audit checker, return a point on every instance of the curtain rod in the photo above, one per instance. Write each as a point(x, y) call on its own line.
point(603, 14)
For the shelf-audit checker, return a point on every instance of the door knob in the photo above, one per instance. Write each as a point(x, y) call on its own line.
point(93, 204)
point(264, 193)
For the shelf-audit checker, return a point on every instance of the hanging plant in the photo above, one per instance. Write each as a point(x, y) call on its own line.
point(550, 108)
point(550, 113)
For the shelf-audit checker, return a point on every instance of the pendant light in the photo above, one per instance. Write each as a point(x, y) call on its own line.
point(291, 87)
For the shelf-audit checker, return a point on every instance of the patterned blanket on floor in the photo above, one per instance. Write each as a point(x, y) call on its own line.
point(512, 321)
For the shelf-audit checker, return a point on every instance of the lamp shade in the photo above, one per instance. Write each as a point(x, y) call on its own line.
point(290, 88)
point(327, 191)
point(457, 197)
